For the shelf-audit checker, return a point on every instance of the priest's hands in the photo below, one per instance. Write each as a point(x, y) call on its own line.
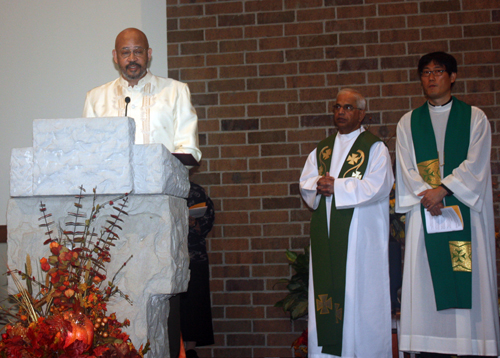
point(324, 186)
point(433, 200)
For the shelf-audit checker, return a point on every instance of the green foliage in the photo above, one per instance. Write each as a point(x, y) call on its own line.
point(296, 300)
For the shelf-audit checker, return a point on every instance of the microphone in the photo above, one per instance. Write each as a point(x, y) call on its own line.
point(127, 101)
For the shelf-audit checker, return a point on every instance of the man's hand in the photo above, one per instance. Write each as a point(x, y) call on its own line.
point(432, 200)
point(325, 185)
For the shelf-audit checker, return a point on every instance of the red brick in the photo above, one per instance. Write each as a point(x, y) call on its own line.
point(399, 62)
point(422, 47)
point(265, 163)
point(279, 96)
point(272, 326)
point(259, 5)
point(279, 122)
point(259, 217)
point(264, 57)
point(241, 178)
point(276, 257)
point(197, 22)
point(243, 258)
point(228, 191)
point(198, 73)
point(281, 229)
point(238, 45)
point(346, 79)
point(226, 85)
point(305, 81)
point(232, 352)
point(227, 165)
point(231, 217)
point(483, 57)
point(388, 76)
point(227, 271)
point(237, 71)
point(306, 107)
point(241, 231)
point(304, 54)
point(198, 48)
point(186, 61)
point(397, 8)
point(476, 44)
point(440, 6)
point(318, 40)
point(236, 20)
point(316, 121)
point(270, 271)
point(339, 52)
point(399, 35)
point(239, 151)
point(265, 83)
point(386, 49)
point(316, 14)
point(282, 203)
point(277, 43)
point(428, 20)
point(300, 4)
point(303, 28)
point(306, 135)
point(280, 339)
point(245, 339)
point(226, 112)
point(275, 17)
point(264, 31)
point(223, 8)
point(172, 25)
point(238, 97)
point(241, 204)
point(401, 89)
point(185, 36)
point(379, 23)
point(475, 71)
point(229, 244)
point(442, 33)
point(223, 33)
point(358, 38)
point(184, 11)
point(271, 244)
point(359, 64)
point(232, 326)
point(356, 11)
point(272, 150)
point(470, 17)
point(479, 5)
point(242, 312)
point(226, 138)
point(385, 104)
point(482, 30)
point(269, 109)
point(278, 69)
point(345, 25)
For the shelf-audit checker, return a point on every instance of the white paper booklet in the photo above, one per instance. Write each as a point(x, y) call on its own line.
point(450, 220)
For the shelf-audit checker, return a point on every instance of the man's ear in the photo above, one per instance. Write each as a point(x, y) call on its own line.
point(150, 52)
point(362, 115)
point(453, 77)
point(115, 57)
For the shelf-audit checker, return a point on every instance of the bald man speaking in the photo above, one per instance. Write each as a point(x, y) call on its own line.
point(161, 107)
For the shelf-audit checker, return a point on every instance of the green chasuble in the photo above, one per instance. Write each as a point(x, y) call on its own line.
point(449, 253)
point(329, 252)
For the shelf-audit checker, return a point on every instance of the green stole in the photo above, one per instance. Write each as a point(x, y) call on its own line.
point(330, 253)
point(449, 253)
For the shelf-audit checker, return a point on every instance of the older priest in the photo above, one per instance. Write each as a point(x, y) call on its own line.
point(347, 181)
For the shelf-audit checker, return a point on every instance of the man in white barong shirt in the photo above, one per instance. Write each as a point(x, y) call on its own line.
point(161, 107)
point(367, 313)
point(456, 331)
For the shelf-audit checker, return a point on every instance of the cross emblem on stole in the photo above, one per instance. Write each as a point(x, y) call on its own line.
point(323, 304)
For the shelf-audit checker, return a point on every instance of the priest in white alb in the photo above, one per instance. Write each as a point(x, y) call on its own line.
point(449, 302)
point(346, 181)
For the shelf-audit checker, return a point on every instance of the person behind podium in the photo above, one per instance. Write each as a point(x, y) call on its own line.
point(449, 297)
point(347, 180)
point(161, 107)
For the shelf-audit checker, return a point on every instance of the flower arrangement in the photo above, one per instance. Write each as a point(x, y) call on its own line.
point(300, 345)
point(64, 314)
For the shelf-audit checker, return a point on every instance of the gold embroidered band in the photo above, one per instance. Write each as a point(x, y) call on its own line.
point(429, 171)
point(461, 256)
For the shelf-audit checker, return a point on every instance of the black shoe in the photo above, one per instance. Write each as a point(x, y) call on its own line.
point(191, 354)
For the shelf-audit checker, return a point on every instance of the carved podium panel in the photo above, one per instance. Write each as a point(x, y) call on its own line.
point(99, 152)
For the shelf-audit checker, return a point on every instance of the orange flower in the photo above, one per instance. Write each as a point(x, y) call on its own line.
point(69, 293)
point(45, 264)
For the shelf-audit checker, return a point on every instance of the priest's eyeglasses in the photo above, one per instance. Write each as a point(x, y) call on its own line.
point(138, 52)
point(437, 73)
point(346, 107)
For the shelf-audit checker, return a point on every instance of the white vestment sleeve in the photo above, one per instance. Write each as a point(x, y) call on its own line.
point(468, 181)
point(375, 184)
point(409, 182)
point(308, 181)
point(186, 124)
point(88, 110)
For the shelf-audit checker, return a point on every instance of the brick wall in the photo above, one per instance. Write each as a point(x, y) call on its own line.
point(263, 76)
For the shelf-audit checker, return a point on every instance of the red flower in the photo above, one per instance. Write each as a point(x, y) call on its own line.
point(45, 264)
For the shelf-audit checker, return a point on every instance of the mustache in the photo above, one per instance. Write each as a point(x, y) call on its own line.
point(133, 64)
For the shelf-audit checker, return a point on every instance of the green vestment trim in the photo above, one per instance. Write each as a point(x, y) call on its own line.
point(329, 253)
point(449, 253)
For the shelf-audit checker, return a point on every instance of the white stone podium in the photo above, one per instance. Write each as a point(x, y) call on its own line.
point(100, 152)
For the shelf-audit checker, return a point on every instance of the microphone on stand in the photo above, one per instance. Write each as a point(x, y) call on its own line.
point(127, 101)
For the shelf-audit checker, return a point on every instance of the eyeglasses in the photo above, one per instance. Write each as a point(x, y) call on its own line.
point(138, 52)
point(346, 107)
point(436, 73)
